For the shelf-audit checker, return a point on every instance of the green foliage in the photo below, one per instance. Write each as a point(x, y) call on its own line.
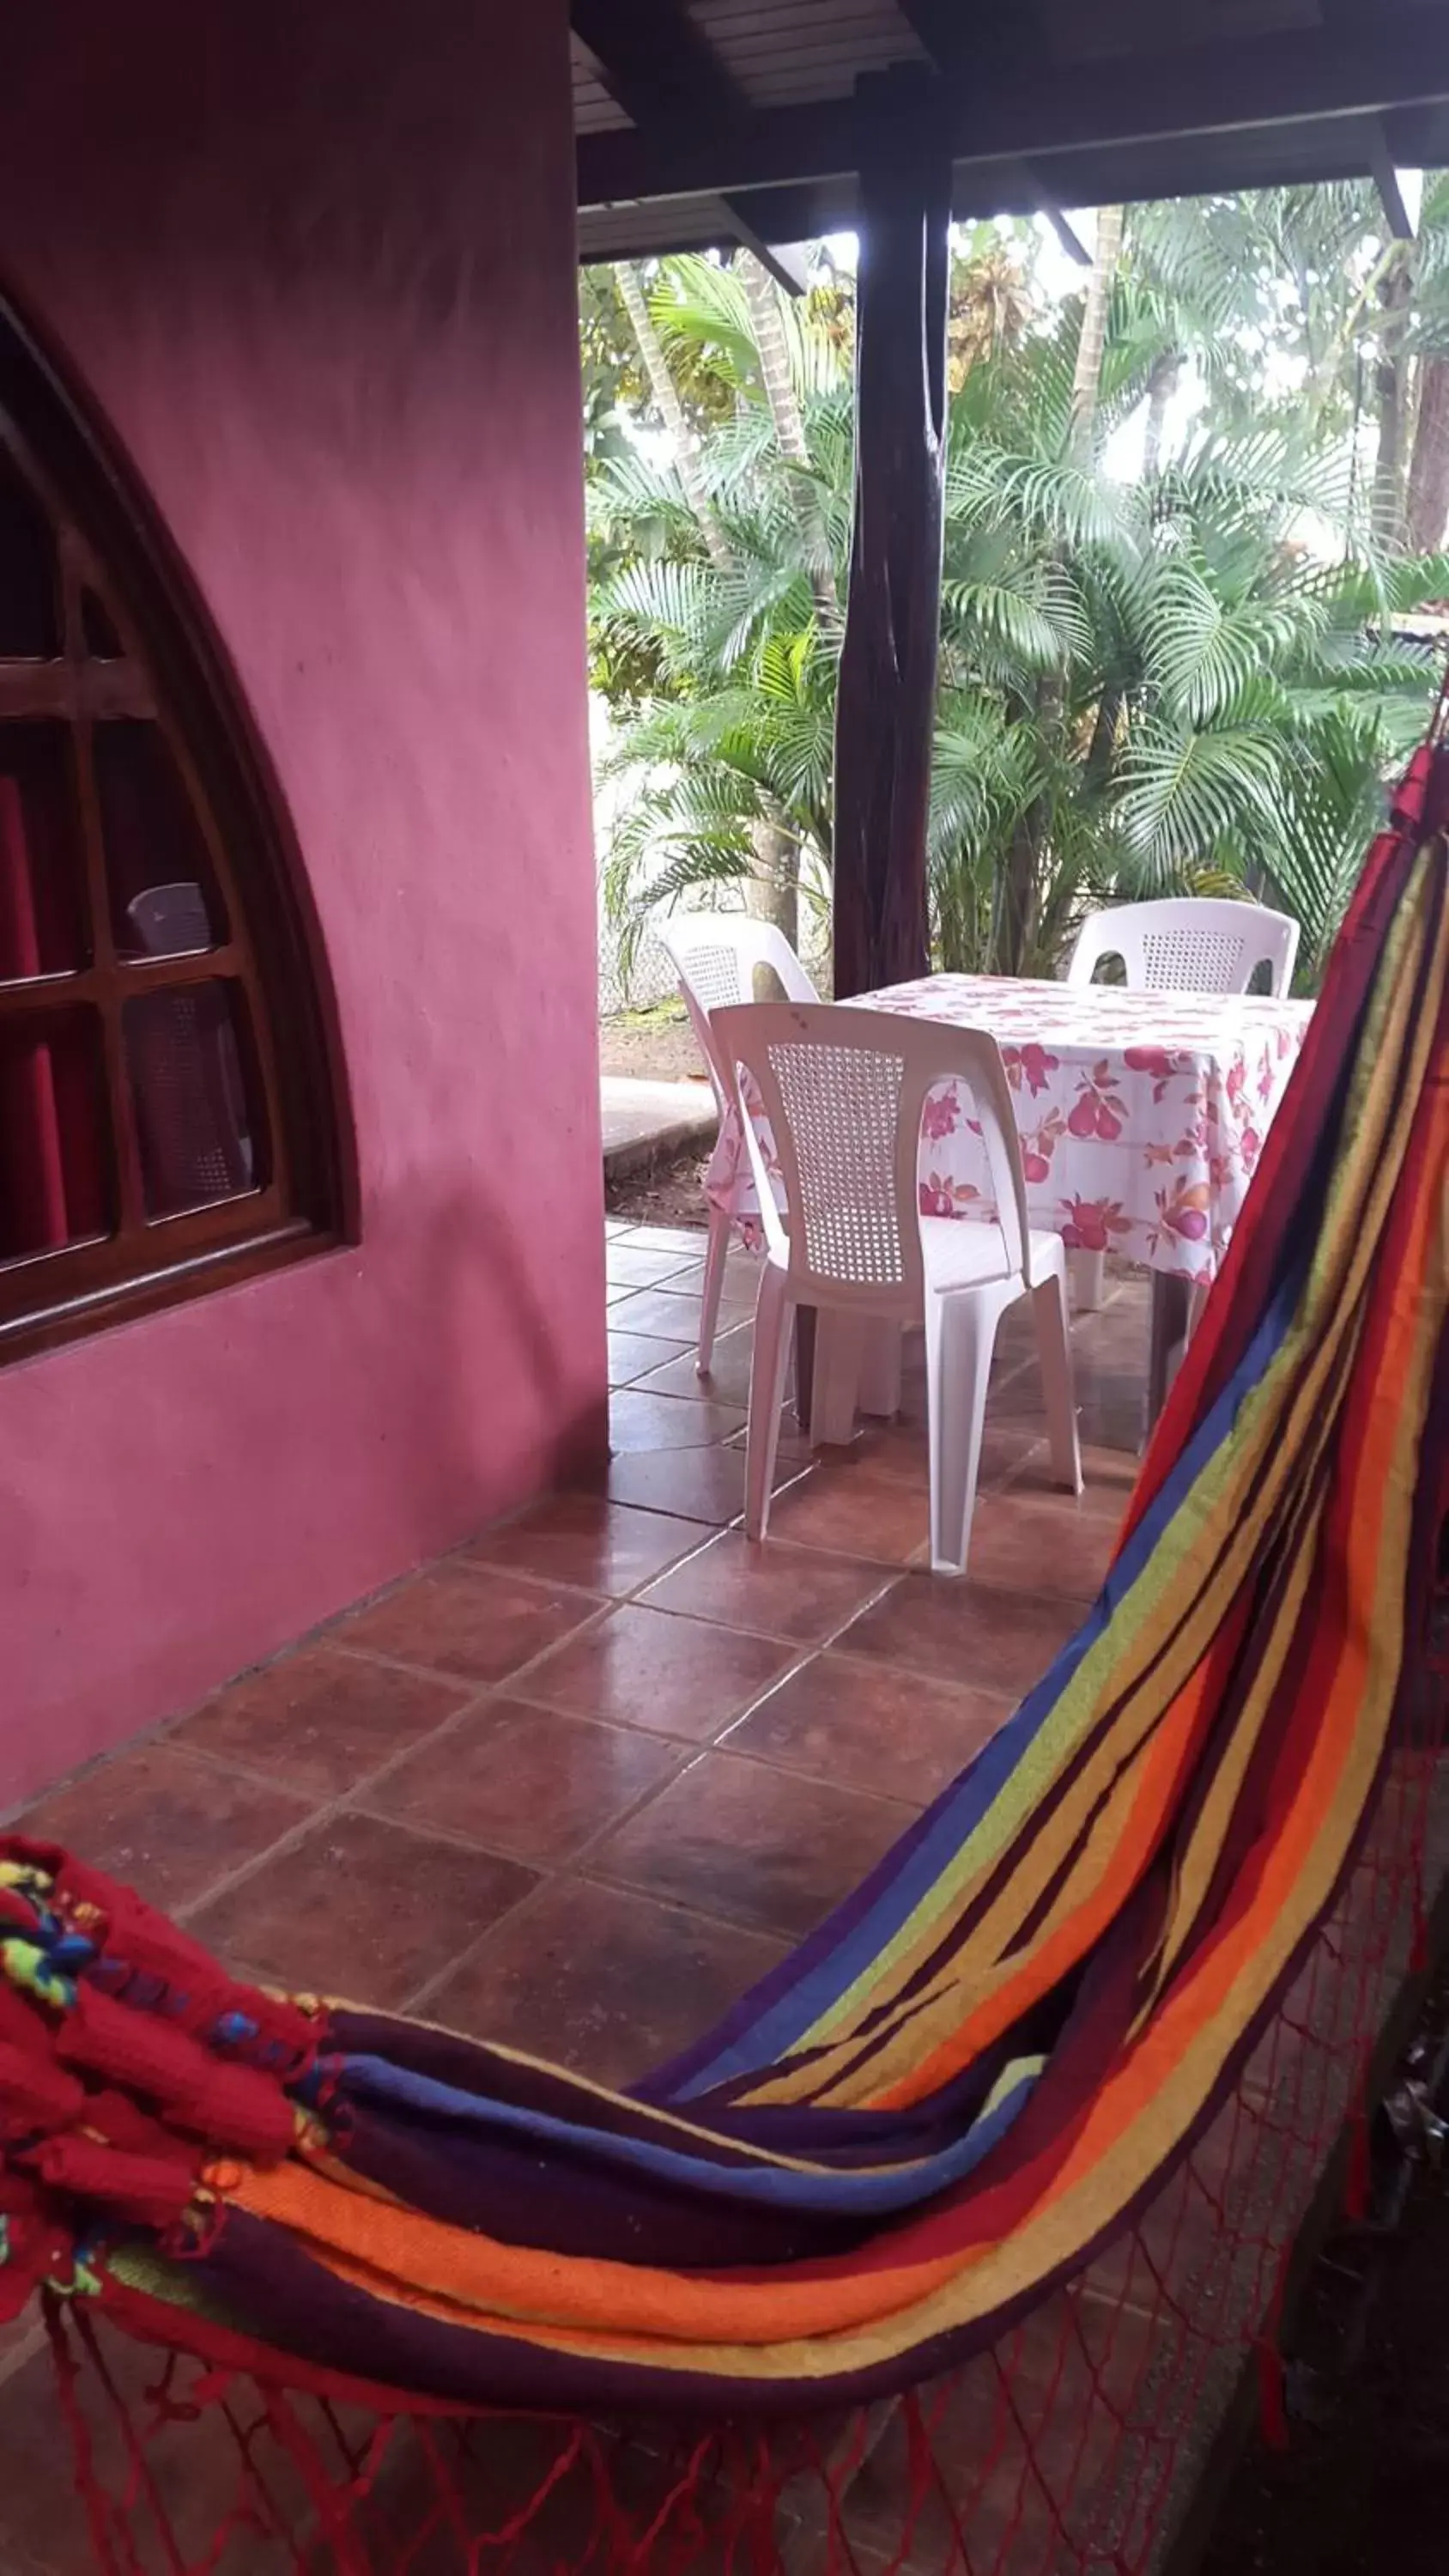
point(1187, 684)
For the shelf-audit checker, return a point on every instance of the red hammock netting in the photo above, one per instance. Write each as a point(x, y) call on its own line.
point(1066, 2444)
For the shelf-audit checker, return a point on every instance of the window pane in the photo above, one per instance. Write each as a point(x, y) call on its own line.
point(55, 1150)
point(199, 1122)
point(29, 623)
point(41, 871)
point(164, 901)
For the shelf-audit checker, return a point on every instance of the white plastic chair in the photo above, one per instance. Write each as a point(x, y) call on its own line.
point(1187, 944)
point(715, 955)
point(844, 1091)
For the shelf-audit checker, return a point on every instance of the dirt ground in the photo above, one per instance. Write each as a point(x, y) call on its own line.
point(649, 1046)
point(1363, 2487)
point(655, 1046)
point(670, 1194)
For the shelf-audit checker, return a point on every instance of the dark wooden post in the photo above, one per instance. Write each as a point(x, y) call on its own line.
point(886, 704)
point(885, 710)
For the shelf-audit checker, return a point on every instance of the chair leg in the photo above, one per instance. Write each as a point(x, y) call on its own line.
point(714, 1271)
point(960, 1339)
point(880, 1373)
point(1088, 1274)
point(1049, 1302)
point(840, 1342)
point(768, 1363)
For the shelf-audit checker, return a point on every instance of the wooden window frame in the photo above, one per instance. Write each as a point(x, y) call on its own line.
point(172, 673)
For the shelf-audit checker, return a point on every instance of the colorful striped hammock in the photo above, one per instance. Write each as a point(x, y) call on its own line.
point(964, 2083)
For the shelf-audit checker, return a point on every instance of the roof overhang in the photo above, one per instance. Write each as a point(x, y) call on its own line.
point(1360, 90)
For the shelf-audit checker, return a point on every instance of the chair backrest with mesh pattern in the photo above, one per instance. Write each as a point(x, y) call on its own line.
point(844, 1092)
point(1189, 944)
point(716, 955)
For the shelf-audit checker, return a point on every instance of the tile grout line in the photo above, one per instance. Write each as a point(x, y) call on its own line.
point(329, 1637)
point(350, 1801)
point(675, 1904)
point(319, 1815)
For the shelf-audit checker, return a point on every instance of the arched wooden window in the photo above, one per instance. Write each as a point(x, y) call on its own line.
point(166, 1091)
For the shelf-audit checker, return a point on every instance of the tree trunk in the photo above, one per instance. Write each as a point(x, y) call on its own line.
point(1016, 920)
point(1391, 390)
point(1429, 464)
point(666, 395)
point(1091, 346)
point(1098, 765)
point(1017, 909)
point(769, 333)
point(773, 892)
point(1161, 386)
point(762, 296)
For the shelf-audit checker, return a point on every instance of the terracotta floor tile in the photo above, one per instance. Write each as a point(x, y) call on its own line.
point(870, 1727)
point(19, 2338)
point(466, 1621)
point(728, 1381)
point(609, 1983)
point(741, 1281)
point(163, 1822)
point(698, 1484)
point(958, 1631)
point(635, 1355)
point(585, 1539)
point(881, 1518)
point(1109, 1476)
point(191, 2464)
point(640, 1265)
point(318, 1722)
point(362, 1910)
point(642, 1667)
point(776, 1590)
point(1119, 1333)
point(659, 1311)
point(640, 1421)
point(898, 1451)
point(688, 1239)
point(1016, 1397)
point(525, 1781)
point(792, 1447)
point(757, 1845)
point(1039, 1543)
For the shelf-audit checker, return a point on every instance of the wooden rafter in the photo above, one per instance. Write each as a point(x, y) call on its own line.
point(655, 64)
point(959, 39)
point(1004, 116)
point(1386, 181)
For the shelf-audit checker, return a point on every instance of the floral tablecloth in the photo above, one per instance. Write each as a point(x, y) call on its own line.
point(1141, 1115)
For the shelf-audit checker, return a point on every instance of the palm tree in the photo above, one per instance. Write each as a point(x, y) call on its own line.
point(1222, 705)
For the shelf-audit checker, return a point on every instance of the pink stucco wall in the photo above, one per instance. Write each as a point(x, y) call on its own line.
point(316, 263)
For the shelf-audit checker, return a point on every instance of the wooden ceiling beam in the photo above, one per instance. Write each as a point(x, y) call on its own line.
point(658, 67)
point(1385, 177)
point(1402, 63)
point(974, 34)
point(652, 58)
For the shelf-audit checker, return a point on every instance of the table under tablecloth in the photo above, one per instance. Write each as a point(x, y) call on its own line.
point(1141, 1115)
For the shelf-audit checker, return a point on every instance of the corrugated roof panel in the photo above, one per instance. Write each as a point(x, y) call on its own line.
point(782, 50)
